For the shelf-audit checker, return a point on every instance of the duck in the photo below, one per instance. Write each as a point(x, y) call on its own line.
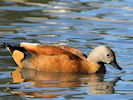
point(61, 58)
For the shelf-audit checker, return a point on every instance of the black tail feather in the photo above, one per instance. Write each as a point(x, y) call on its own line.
point(4, 44)
point(11, 46)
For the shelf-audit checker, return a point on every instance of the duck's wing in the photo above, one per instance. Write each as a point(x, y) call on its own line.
point(74, 51)
point(37, 49)
point(51, 50)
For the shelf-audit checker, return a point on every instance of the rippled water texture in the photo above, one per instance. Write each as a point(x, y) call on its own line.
point(83, 24)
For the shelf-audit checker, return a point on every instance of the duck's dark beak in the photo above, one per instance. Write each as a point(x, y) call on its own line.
point(115, 64)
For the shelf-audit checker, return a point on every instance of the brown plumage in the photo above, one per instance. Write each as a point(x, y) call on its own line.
point(49, 58)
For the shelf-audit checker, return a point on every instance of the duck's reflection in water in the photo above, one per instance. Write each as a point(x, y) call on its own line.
point(51, 85)
point(97, 85)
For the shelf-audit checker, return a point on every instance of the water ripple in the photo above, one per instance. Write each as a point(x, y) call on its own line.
point(83, 24)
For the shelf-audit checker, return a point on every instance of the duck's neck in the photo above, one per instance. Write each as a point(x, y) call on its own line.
point(89, 66)
point(94, 66)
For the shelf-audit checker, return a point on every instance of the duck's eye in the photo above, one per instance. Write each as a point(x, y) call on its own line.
point(108, 54)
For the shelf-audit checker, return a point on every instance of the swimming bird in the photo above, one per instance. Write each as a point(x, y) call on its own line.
point(49, 58)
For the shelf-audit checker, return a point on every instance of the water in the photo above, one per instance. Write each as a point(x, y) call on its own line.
point(83, 24)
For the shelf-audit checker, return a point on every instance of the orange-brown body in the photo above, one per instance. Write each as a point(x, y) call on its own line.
point(54, 59)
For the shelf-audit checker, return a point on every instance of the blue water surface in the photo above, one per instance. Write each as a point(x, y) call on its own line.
point(82, 24)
